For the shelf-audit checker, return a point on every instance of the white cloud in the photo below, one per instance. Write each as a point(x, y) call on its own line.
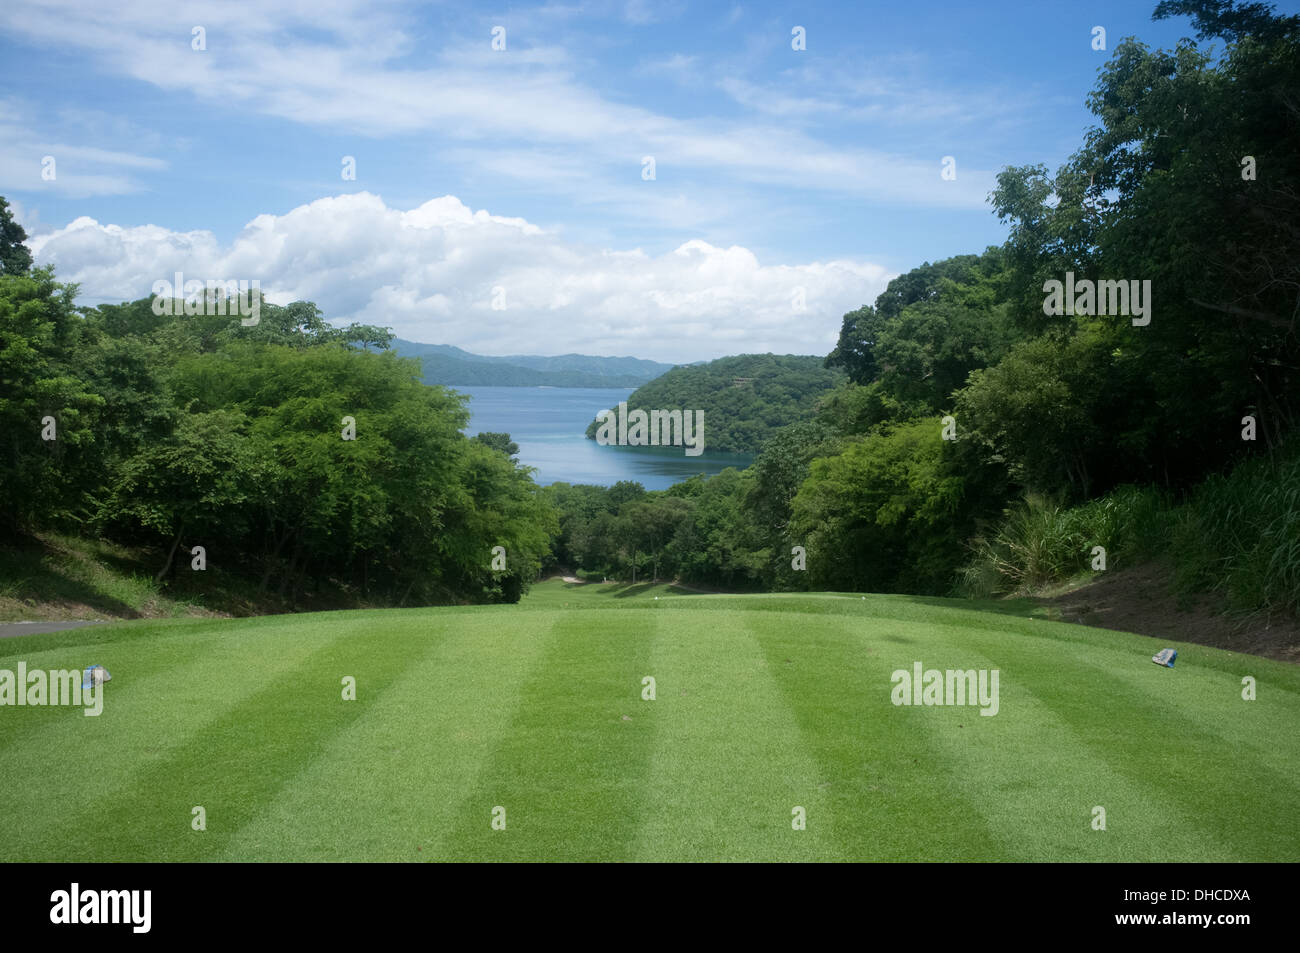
point(78, 171)
point(429, 273)
point(356, 66)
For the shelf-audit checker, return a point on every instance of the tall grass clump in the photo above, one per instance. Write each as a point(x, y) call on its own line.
point(1133, 523)
point(1040, 541)
point(1034, 544)
point(1236, 534)
point(1240, 535)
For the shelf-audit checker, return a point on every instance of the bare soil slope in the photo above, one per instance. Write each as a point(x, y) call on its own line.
point(1141, 600)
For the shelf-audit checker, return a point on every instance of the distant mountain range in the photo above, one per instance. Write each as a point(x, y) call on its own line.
point(446, 364)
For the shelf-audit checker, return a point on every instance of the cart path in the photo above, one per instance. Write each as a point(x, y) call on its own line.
point(10, 629)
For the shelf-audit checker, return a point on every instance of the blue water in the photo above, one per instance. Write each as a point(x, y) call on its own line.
point(548, 423)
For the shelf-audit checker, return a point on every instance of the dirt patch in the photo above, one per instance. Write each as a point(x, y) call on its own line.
point(1142, 600)
point(14, 629)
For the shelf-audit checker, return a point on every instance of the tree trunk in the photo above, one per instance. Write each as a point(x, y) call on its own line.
point(293, 561)
point(171, 555)
point(270, 560)
point(299, 578)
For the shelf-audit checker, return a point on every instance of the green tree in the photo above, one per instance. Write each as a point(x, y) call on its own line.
point(15, 257)
point(190, 486)
point(500, 442)
point(652, 524)
point(1187, 181)
point(722, 544)
point(744, 398)
point(42, 394)
point(1037, 412)
point(927, 331)
point(1229, 20)
point(884, 515)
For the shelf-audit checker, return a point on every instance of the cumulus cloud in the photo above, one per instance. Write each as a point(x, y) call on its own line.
point(434, 273)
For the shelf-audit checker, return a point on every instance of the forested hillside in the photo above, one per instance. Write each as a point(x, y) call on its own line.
point(283, 450)
point(745, 398)
point(984, 443)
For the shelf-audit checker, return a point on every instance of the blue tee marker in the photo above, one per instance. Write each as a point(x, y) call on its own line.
point(95, 675)
point(1165, 657)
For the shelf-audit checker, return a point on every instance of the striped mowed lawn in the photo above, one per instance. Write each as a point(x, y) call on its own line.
point(763, 704)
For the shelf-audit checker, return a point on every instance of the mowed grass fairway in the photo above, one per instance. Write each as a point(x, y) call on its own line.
point(763, 703)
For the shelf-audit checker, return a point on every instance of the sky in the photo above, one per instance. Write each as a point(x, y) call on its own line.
point(662, 180)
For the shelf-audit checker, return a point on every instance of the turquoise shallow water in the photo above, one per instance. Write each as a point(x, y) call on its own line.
point(548, 423)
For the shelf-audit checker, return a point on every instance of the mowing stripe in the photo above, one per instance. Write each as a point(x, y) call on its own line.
point(1184, 727)
point(1038, 803)
point(1210, 697)
point(403, 786)
point(729, 764)
point(569, 770)
point(232, 764)
point(1196, 764)
point(144, 669)
point(878, 764)
point(153, 709)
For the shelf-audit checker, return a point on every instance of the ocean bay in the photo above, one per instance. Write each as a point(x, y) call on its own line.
point(548, 424)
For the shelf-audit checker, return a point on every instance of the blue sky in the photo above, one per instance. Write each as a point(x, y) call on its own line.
point(779, 174)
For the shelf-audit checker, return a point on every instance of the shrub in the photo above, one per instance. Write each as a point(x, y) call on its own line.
point(1240, 535)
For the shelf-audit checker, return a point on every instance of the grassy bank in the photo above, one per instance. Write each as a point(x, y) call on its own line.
point(1236, 536)
point(55, 577)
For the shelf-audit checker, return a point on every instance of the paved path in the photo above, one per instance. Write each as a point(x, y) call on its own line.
point(9, 629)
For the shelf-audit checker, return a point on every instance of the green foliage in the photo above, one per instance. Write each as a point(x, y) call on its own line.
point(15, 258)
point(178, 431)
point(200, 478)
point(745, 399)
point(783, 466)
point(41, 337)
point(1036, 411)
point(884, 515)
point(499, 442)
point(930, 348)
point(699, 531)
point(1240, 535)
point(575, 507)
point(1161, 191)
point(724, 545)
point(776, 476)
point(1229, 20)
point(927, 331)
point(1035, 544)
